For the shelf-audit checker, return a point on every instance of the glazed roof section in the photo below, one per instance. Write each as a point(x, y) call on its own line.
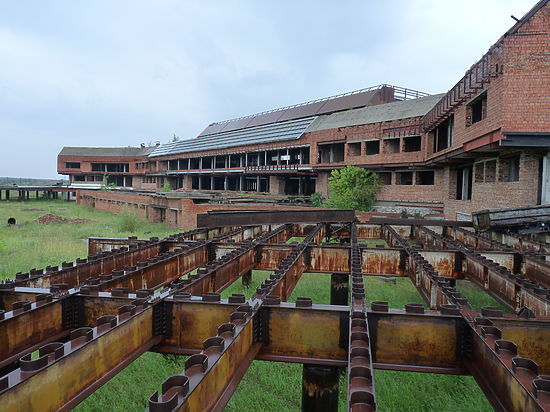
point(344, 101)
point(106, 151)
point(376, 114)
point(274, 132)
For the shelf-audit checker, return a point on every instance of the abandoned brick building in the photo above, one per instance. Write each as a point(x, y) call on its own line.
point(483, 144)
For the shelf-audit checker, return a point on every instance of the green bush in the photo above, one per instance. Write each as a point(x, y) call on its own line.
point(317, 199)
point(353, 188)
point(128, 221)
point(166, 187)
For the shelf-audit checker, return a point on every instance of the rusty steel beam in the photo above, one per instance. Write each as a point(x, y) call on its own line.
point(508, 288)
point(361, 390)
point(76, 273)
point(510, 382)
point(221, 218)
point(65, 373)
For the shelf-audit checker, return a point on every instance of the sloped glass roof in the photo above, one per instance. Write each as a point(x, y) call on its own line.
point(274, 132)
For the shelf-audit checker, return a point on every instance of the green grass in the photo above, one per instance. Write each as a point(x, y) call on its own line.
point(31, 245)
point(477, 297)
point(267, 386)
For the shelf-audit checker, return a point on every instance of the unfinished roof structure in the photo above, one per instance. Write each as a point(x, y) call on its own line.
point(90, 318)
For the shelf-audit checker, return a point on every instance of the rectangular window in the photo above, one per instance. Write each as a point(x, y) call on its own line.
point(476, 111)
point(464, 183)
point(443, 135)
point(391, 145)
point(72, 165)
point(354, 149)
point(425, 178)
point(479, 172)
point(373, 147)
point(413, 144)
point(513, 175)
point(490, 171)
point(385, 177)
point(404, 178)
point(78, 178)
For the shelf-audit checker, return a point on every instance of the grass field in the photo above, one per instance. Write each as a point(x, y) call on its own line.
point(267, 386)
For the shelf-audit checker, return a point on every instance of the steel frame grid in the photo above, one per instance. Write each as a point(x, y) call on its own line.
point(109, 298)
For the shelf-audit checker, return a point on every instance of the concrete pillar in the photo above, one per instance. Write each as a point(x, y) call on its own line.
point(257, 183)
point(242, 186)
point(339, 289)
point(200, 182)
point(211, 182)
point(246, 159)
point(225, 182)
point(278, 157)
point(200, 162)
point(300, 186)
point(320, 388)
point(287, 156)
point(247, 278)
point(301, 159)
point(265, 158)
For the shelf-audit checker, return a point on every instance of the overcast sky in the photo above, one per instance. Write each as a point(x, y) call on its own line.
point(119, 73)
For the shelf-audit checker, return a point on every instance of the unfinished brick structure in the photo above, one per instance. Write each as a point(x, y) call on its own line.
point(483, 144)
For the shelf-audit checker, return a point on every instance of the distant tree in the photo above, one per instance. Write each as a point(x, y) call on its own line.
point(175, 138)
point(353, 188)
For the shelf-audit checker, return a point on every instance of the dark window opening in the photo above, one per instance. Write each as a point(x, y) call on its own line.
point(477, 110)
point(413, 144)
point(195, 182)
point(425, 178)
point(464, 183)
point(479, 172)
point(331, 153)
point(220, 162)
point(207, 163)
point(509, 169)
point(373, 147)
point(110, 167)
point(443, 135)
point(79, 178)
point(354, 149)
point(72, 165)
point(234, 160)
point(173, 165)
point(391, 146)
point(490, 171)
point(385, 177)
point(194, 163)
point(299, 186)
point(404, 178)
point(219, 183)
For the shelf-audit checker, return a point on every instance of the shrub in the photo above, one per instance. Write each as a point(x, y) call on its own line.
point(317, 199)
point(166, 187)
point(353, 188)
point(128, 221)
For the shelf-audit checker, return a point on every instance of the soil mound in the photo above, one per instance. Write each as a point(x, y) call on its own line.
point(51, 218)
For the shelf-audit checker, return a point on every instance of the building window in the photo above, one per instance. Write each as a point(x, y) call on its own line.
point(412, 144)
point(149, 179)
point(443, 135)
point(79, 178)
point(354, 149)
point(404, 178)
point(385, 177)
point(391, 146)
point(490, 171)
point(476, 111)
point(72, 165)
point(509, 169)
point(373, 147)
point(425, 178)
point(464, 183)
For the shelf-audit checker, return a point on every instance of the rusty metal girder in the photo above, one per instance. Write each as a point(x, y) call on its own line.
point(508, 288)
point(224, 336)
point(361, 390)
point(218, 218)
point(64, 373)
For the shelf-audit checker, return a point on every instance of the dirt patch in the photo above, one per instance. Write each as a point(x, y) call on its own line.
point(50, 218)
